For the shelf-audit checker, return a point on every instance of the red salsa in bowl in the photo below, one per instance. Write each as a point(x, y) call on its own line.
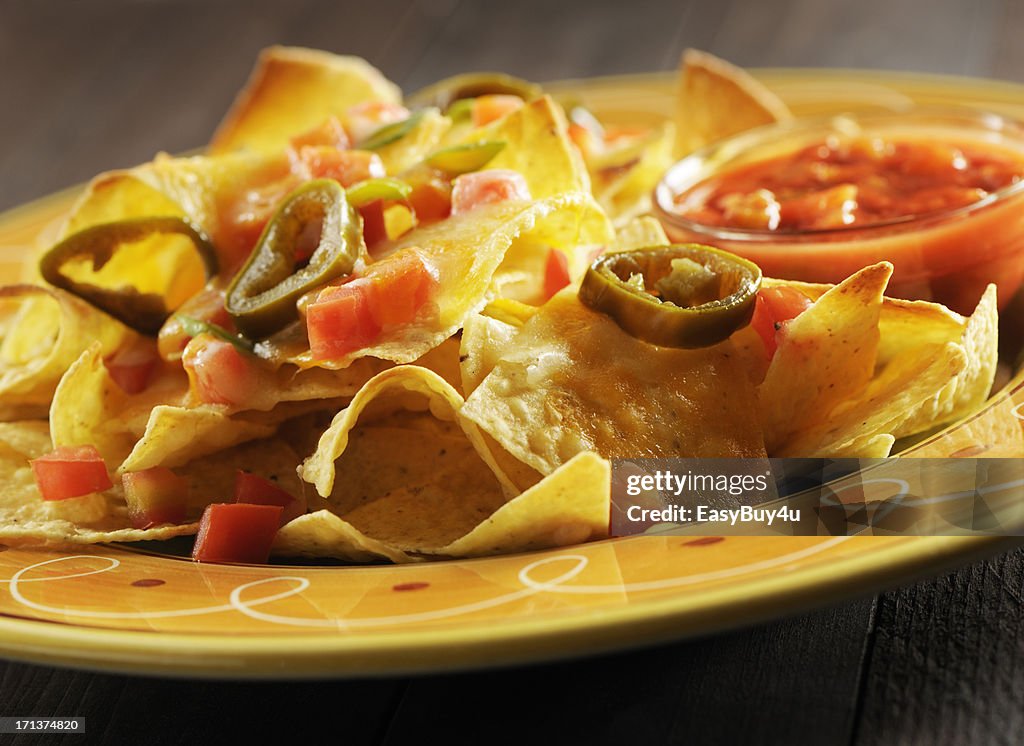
point(940, 194)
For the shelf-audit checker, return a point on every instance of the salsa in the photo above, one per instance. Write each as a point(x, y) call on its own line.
point(850, 182)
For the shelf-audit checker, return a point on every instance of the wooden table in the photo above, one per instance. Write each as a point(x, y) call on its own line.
point(89, 86)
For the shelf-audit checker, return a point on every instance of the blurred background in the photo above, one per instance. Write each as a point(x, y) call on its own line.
point(87, 86)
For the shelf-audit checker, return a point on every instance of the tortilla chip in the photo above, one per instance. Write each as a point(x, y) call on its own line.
point(538, 147)
point(573, 381)
point(323, 534)
point(909, 387)
point(466, 251)
point(624, 188)
point(90, 409)
point(825, 356)
point(996, 432)
point(640, 233)
point(922, 330)
point(402, 467)
point(390, 393)
point(211, 479)
point(154, 428)
point(484, 340)
point(717, 99)
point(978, 335)
point(416, 144)
point(870, 446)
point(25, 518)
point(569, 506)
point(196, 188)
point(44, 331)
point(292, 90)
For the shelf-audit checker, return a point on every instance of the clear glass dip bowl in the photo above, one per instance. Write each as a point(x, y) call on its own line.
point(948, 256)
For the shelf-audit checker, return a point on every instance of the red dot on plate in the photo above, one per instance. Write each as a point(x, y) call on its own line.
point(148, 582)
point(415, 586)
point(703, 541)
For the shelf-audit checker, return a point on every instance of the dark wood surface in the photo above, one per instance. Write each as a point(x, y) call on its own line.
point(89, 86)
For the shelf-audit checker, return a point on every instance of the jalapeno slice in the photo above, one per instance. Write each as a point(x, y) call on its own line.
point(363, 193)
point(684, 295)
point(390, 133)
point(144, 312)
point(261, 298)
point(461, 159)
point(444, 93)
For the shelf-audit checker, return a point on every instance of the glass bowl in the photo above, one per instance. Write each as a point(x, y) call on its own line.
point(948, 256)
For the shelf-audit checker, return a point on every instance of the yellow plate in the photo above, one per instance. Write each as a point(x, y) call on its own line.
point(118, 608)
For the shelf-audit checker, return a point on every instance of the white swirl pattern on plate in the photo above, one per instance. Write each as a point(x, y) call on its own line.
point(248, 607)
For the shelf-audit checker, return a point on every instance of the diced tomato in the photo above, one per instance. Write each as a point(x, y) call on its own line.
point(70, 471)
point(774, 307)
point(238, 532)
point(362, 120)
point(400, 286)
point(347, 317)
point(154, 496)
point(132, 366)
point(219, 373)
point(329, 132)
point(472, 190)
point(556, 272)
point(347, 167)
point(374, 228)
point(340, 320)
point(493, 106)
point(431, 200)
point(255, 490)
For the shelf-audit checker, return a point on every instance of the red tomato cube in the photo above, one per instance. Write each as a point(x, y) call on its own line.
point(772, 309)
point(400, 285)
point(255, 490)
point(347, 167)
point(472, 190)
point(70, 471)
point(374, 228)
point(556, 272)
point(131, 367)
point(219, 372)
point(237, 532)
point(339, 321)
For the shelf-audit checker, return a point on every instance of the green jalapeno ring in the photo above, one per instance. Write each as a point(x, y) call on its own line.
point(675, 321)
point(364, 192)
point(444, 93)
point(144, 312)
point(194, 327)
point(461, 159)
point(390, 133)
point(261, 297)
